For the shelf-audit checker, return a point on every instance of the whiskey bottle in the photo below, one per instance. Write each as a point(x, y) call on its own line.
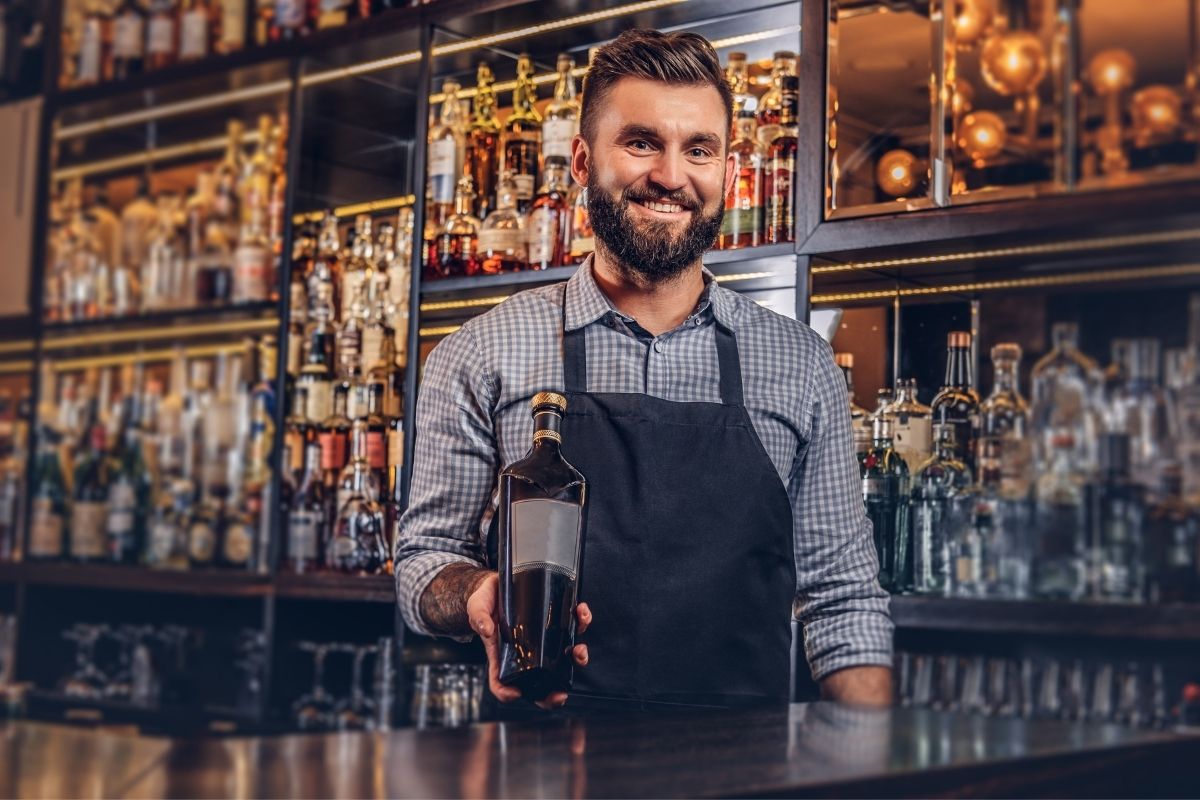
point(562, 114)
point(334, 437)
point(771, 106)
point(252, 261)
point(1005, 455)
point(1172, 538)
point(356, 272)
point(446, 148)
point(307, 517)
point(48, 515)
point(547, 224)
point(745, 104)
point(522, 136)
point(942, 502)
point(743, 222)
point(957, 402)
point(457, 250)
point(232, 34)
point(542, 521)
point(360, 451)
point(582, 237)
point(316, 376)
point(781, 169)
point(88, 510)
point(129, 34)
point(886, 496)
point(350, 335)
point(194, 30)
point(128, 497)
point(913, 437)
point(324, 280)
point(502, 234)
point(162, 45)
point(482, 156)
point(357, 542)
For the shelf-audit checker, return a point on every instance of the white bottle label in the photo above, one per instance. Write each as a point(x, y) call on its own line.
point(251, 274)
point(129, 31)
point(239, 543)
point(162, 35)
point(395, 445)
point(443, 169)
point(543, 235)
point(202, 542)
point(88, 520)
point(524, 186)
point(303, 531)
point(913, 440)
point(89, 53)
point(372, 346)
point(290, 13)
point(121, 504)
point(233, 23)
point(46, 528)
point(193, 35)
point(501, 240)
point(320, 400)
point(545, 535)
point(557, 135)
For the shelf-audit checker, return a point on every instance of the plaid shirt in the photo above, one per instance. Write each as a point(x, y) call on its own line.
point(473, 418)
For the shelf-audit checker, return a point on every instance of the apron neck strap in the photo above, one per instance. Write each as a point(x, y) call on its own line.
point(575, 362)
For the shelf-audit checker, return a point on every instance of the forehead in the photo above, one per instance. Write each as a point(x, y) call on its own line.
point(673, 110)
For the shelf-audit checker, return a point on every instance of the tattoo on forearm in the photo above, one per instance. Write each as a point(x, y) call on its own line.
point(444, 602)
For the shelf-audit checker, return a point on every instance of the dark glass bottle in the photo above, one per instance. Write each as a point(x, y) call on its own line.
point(1172, 536)
point(89, 511)
point(542, 519)
point(885, 494)
point(522, 135)
point(308, 516)
point(781, 169)
point(128, 500)
point(47, 526)
point(957, 402)
point(1117, 516)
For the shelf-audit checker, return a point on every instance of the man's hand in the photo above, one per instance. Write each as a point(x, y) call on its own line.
point(483, 613)
point(859, 686)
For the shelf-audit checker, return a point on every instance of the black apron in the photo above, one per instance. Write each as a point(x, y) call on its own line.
point(688, 566)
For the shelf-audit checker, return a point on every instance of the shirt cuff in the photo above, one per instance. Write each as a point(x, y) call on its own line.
point(413, 576)
point(848, 639)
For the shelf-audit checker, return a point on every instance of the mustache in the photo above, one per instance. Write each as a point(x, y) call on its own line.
point(678, 197)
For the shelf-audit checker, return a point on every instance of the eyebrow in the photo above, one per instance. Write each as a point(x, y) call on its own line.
point(633, 130)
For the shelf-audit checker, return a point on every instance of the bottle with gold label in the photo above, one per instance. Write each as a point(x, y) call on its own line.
point(547, 226)
point(523, 135)
point(562, 114)
point(542, 520)
point(781, 169)
point(770, 107)
point(502, 245)
point(482, 157)
point(446, 151)
point(457, 248)
point(742, 225)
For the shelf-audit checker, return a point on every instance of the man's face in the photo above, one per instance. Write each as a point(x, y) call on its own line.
point(656, 175)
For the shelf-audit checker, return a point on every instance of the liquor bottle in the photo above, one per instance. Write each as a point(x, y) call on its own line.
point(542, 522)
point(967, 552)
point(378, 351)
point(886, 496)
point(942, 503)
point(1172, 539)
point(87, 540)
point(253, 262)
point(129, 34)
point(913, 433)
point(89, 64)
point(582, 236)
point(204, 529)
point(860, 418)
point(228, 176)
point(1139, 408)
point(1067, 387)
point(364, 449)
point(357, 542)
point(457, 251)
point(254, 184)
point(548, 220)
point(325, 278)
point(128, 497)
point(522, 135)
point(297, 324)
point(356, 272)
point(446, 150)
point(277, 198)
point(161, 37)
point(771, 106)
point(167, 539)
point(139, 218)
point(256, 485)
point(781, 169)
point(48, 511)
point(12, 489)
point(743, 222)
point(195, 32)
point(350, 335)
point(1005, 454)
point(745, 104)
point(241, 522)
point(400, 282)
point(1061, 523)
point(307, 516)
point(1187, 408)
point(232, 35)
point(1117, 519)
point(334, 438)
point(316, 376)
point(482, 157)
point(562, 114)
point(502, 235)
point(957, 402)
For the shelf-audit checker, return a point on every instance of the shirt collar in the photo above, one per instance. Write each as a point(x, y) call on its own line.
point(586, 303)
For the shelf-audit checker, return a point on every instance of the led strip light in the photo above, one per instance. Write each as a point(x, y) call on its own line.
point(376, 65)
point(12, 367)
point(215, 144)
point(205, 351)
point(369, 207)
point(22, 346)
point(147, 334)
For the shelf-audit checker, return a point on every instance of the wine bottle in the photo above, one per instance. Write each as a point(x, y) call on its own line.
point(543, 513)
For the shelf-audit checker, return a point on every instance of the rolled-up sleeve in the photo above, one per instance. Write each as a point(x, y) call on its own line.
point(839, 601)
point(455, 464)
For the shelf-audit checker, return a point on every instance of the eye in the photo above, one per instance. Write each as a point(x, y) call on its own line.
point(699, 152)
point(640, 144)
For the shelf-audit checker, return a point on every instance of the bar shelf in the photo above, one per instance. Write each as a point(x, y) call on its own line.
point(333, 586)
point(123, 578)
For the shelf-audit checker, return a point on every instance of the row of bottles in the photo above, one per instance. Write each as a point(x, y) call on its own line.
point(221, 245)
point(284, 20)
point(501, 197)
point(106, 40)
point(344, 428)
point(129, 473)
point(1087, 491)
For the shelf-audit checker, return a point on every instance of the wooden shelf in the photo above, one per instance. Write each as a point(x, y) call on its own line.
point(123, 578)
point(329, 586)
point(1046, 618)
point(157, 319)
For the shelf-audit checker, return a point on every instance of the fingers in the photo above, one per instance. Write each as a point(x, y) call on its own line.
point(505, 694)
point(580, 654)
point(481, 613)
point(552, 701)
point(583, 615)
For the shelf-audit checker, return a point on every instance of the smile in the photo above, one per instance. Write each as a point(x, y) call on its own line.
point(661, 208)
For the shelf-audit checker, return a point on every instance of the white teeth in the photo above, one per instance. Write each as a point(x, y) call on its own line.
point(666, 208)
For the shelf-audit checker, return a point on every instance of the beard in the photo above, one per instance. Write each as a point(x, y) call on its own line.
point(652, 251)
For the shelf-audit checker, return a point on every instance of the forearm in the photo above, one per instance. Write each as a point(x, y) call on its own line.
point(860, 686)
point(444, 601)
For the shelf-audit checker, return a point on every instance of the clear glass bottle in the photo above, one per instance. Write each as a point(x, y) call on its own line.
point(357, 544)
point(129, 39)
point(967, 552)
point(195, 30)
point(162, 38)
point(582, 235)
point(1187, 408)
point(737, 73)
point(957, 402)
point(742, 225)
point(913, 437)
point(1172, 542)
point(253, 263)
point(446, 150)
point(1005, 451)
point(772, 104)
point(1066, 388)
point(317, 373)
point(324, 280)
point(1118, 517)
point(522, 135)
point(378, 336)
point(1139, 408)
point(128, 500)
point(483, 143)
point(366, 453)
point(350, 335)
point(562, 114)
point(89, 63)
point(357, 271)
point(549, 219)
point(778, 189)
point(139, 219)
point(308, 516)
point(334, 437)
point(886, 496)
point(457, 250)
point(502, 234)
point(1061, 524)
point(943, 501)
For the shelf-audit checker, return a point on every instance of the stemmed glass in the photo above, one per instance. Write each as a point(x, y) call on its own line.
point(315, 709)
point(87, 680)
point(355, 711)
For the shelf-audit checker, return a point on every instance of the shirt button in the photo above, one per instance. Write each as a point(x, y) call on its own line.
point(658, 346)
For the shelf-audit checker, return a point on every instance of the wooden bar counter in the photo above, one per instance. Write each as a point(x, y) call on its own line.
point(805, 750)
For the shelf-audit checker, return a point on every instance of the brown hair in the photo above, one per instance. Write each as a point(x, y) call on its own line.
point(676, 58)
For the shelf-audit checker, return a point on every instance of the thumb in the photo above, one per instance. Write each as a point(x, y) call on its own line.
point(483, 625)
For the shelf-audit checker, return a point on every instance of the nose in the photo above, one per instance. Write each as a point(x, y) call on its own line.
point(668, 171)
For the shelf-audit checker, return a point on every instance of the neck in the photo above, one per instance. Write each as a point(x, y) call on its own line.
point(658, 307)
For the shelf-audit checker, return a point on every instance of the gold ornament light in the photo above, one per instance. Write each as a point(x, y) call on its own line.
point(896, 173)
point(1157, 111)
point(1111, 72)
point(972, 21)
point(982, 136)
point(1013, 62)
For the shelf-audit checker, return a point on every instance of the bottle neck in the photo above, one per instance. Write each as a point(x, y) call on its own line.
point(312, 460)
point(449, 116)
point(1006, 377)
point(564, 90)
point(547, 429)
point(358, 445)
point(958, 368)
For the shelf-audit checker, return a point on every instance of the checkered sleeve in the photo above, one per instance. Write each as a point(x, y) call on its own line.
point(455, 465)
point(838, 597)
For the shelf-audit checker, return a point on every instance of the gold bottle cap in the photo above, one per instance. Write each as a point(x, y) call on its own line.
point(549, 399)
point(958, 339)
point(844, 360)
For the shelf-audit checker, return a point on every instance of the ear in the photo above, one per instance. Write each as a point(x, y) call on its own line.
point(730, 173)
point(580, 160)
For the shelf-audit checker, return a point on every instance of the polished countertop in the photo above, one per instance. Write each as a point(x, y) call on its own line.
point(805, 749)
